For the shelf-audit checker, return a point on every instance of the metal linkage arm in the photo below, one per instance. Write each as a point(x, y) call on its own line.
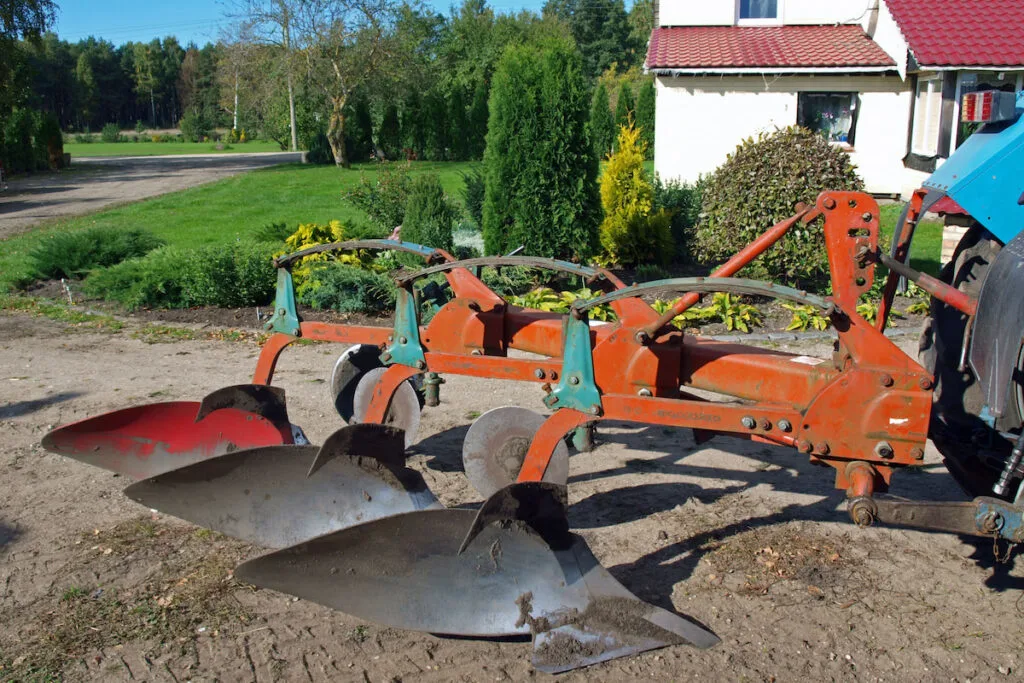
point(522, 261)
point(708, 284)
point(982, 516)
point(429, 254)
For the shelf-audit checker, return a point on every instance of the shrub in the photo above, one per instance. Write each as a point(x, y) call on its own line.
point(86, 138)
point(272, 232)
point(74, 254)
point(428, 215)
point(111, 133)
point(390, 134)
point(632, 232)
point(383, 198)
point(645, 116)
point(194, 126)
point(320, 150)
point(173, 277)
point(602, 122)
point(681, 201)
point(474, 195)
point(646, 272)
point(139, 127)
point(540, 166)
point(348, 289)
point(760, 184)
point(49, 142)
point(17, 153)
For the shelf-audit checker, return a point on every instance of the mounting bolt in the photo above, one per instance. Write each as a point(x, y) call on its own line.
point(421, 364)
point(574, 380)
point(867, 217)
point(539, 373)
point(403, 340)
point(476, 352)
point(925, 383)
point(785, 425)
point(766, 424)
point(917, 453)
point(829, 203)
point(883, 449)
point(645, 392)
point(886, 380)
point(822, 447)
point(642, 337)
point(862, 512)
point(281, 311)
point(804, 446)
point(748, 422)
point(595, 409)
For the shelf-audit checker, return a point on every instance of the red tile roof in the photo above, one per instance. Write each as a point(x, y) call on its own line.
point(774, 47)
point(962, 32)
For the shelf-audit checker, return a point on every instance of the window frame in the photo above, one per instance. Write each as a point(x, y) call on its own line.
point(776, 21)
point(854, 112)
point(918, 116)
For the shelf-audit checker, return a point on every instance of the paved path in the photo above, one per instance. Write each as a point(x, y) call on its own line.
point(95, 182)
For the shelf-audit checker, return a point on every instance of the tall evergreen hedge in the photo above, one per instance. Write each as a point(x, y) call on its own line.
point(645, 116)
point(540, 167)
point(602, 123)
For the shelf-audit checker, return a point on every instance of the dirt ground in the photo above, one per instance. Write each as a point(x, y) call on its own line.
point(96, 182)
point(747, 539)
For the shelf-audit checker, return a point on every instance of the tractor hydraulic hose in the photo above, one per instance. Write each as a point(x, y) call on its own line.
point(938, 289)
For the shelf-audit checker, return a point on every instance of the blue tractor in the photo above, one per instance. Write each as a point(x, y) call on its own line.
point(978, 361)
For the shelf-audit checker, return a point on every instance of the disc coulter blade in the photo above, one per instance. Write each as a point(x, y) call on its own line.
point(352, 364)
point(404, 411)
point(496, 445)
point(280, 495)
point(521, 573)
point(143, 441)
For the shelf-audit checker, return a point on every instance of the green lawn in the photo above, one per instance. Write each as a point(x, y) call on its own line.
point(148, 149)
point(229, 209)
point(926, 248)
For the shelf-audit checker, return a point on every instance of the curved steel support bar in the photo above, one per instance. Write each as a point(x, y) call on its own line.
point(429, 254)
point(521, 261)
point(708, 284)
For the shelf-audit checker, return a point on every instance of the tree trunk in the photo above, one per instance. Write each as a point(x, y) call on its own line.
point(234, 119)
point(291, 112)
point(336, 131)
point(152, 106)
point(286, 34)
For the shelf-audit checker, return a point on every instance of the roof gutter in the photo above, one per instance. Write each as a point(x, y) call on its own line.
point(838, 70)
point(970, 67)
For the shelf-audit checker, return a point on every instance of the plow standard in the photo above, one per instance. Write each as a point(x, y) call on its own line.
point(350, 526)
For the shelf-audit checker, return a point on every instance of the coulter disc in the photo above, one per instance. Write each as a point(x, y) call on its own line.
point(404, 411)
point(496, 445)
point(352, 364)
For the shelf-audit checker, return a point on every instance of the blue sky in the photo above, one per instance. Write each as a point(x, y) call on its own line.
point(120, 21)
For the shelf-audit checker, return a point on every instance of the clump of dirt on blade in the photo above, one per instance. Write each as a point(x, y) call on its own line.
point(100, 601)
point(789, 552)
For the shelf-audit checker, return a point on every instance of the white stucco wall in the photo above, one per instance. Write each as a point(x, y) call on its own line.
point(700, 120)
point(697, 12)
point(723, 12)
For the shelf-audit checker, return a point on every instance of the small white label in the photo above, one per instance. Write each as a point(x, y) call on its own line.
point(807, 360)
point(899, 420)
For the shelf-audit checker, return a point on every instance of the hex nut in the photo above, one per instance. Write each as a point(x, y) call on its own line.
point(883, 449)
point(748, 422)
point(785, 425)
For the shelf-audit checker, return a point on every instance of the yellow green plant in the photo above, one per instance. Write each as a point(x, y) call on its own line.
point(547, 299)
point(314, 234)
point(806, 317)
point(631, 231)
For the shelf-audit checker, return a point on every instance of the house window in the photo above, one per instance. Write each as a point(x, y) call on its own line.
point(927, 117)
point(758, 11)
point(832, 114)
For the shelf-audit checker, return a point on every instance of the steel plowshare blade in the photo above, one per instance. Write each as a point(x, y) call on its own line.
point(145, 440)
point(276, 496)
point(510, 568)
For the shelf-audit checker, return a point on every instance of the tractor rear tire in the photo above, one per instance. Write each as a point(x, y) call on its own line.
point(973, 453)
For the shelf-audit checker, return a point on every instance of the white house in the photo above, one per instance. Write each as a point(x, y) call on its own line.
point(881, 78)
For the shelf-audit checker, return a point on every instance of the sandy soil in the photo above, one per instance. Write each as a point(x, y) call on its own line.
point(95, 182)
point(744, 538)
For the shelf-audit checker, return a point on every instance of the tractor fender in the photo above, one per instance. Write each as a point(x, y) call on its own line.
point(998, 331)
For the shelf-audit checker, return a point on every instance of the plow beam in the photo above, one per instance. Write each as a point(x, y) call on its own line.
point(146, 440)
point(521, 573)
point(280, 495)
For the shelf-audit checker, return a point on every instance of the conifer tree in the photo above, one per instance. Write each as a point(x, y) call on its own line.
point(602, 123)
point(645, 116)
point(477, 133)
point(389, 138)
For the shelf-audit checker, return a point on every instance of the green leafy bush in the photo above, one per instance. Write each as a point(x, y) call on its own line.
point(646, 272)
point(174, 277)
point(17, 150)
point(74, 254)
point(273, 232)
point(111, 133)
point(194, 125)
point(806, 317)
point(681, 201)
point(348, 289)
point(760, 184)
point(428, 215)
point(49, 142)
point(632, 232)
point(540, 165)
point(320, 150)
point(384, 197)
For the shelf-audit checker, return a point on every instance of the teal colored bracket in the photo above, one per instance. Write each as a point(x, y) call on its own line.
point(286, 314)
point(576, 389)
point(405, 347)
